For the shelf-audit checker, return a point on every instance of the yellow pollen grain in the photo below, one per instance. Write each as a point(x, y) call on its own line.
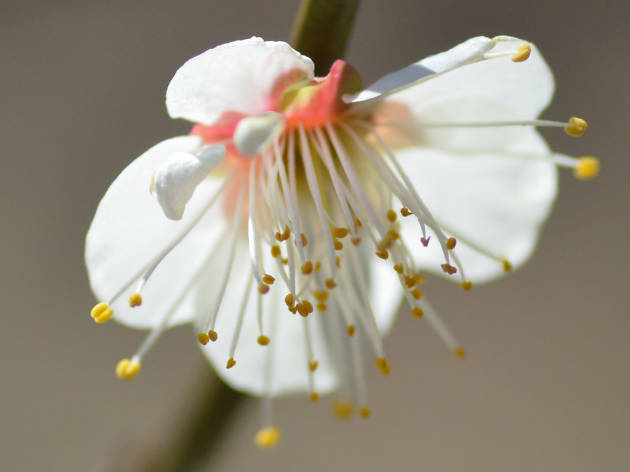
point(308, 306)
point(230, 363)
point(135, 299)
point(467, 285)
point(338, 245)
point(267, 437)
point(285, 261)
point(101, 312)
point(314, 397)
point(522, 53)
point(343, 410)
point(459, 352)
point(275, 251)
point(350, 330)
point(321, 307)
point(321, 295)
point(307, 267)
point(355, 241)
point(357, 223)
point(203, 338)
point(410, 281)
point(576, 127)
point(286, 233)
point(304, 239)
point(263, 340)
point(293, 309)
point(398, 268)
point(507, 266)
point(318, 266)
point(417, 312)
point(263, 288)
point(383, 365)
point(450, 243)
point(127, 369)
point(338, 262)
point(449, 269)
point(405, 211)
point(419, 278)
point(330, 283)
point(365, 412)
point(278, 236)
point(212, 334)
point(383, 254)
point(425, 241)
point(416, 293)
point(268, 279)
point(587, 168)
point(393, 234)
point(312, 366)
point(391, 215)
point(340, 232)
point(290, 300)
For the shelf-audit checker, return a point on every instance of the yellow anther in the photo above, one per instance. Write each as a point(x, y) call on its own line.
point(350, 330)
point(203, 338)
point(357, 223)
point(314, 397)
point(522, 53)
point(304, 308)
point(410, 281)
point(127, 369)
point(312, 365)
point(419, 278)
point(101, 312)
point(467, 285)
point(391, 215)
point(576, 127)
point(417, 312)
point(507, 266)
point(278, 236)
point(338, 245)
point(459, 352)
point(449, 269)
point(230, 363)
point(338, 262)
point(398, 268)
point(355, 241)
point(263, 340)
point(307, 267)
point(268, 279)
point(587, 168)
point(343, 410)
point(365, 412)
point(286, 233)
point(393, 234)
point(212, 334)
point(416, 293)
point(340, 232)
point(321, 307)
point(275, 251)
point(304, 239)
point(267, 437)
point(263, 288)
point(383, 365)
point(450, 243)
point(135, 299)
point(321, 295)
point(290, 300)
point(293, 310)
point(318, 266)
point(330, 284)
point(425, 241)
point(383, 254)
point(405, 211)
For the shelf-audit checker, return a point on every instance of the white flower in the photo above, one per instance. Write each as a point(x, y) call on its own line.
point(296, 194)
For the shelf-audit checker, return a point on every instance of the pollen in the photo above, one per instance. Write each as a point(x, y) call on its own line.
point(449, 269)
point(338, 245)
point(307, 267)
point(398, 268)
point(321, 307)
point(383, 254)
point(391, 215)
point(230, 363)
point(365, 412)
point(212, 334)
point(383, 365)
point(338, 262)
point(576, 127)
point(450, 243)
point(290, 300)
point(340, 232)
point(304, 239)
point(416, 293)
point(268, 279)
point(405, 211)
point(267, 437)
point(330, 283)
point(357, 223)
point(312, 365)
point(263, 340)
point(101, 312)
point(127, 369)
point(522, 53)
point(587, 168)
point(263, 288)
point(466, 285)
point(350, 330)
point(507, 266)
point(343, 410)
point(425, 241)
point(305, 308)
point(355, 241)
point(203, 338)
point(459, 352)
point(286, 233)
point(314, 397)
point(417, 312)
point(275, 251)
point(135, 299)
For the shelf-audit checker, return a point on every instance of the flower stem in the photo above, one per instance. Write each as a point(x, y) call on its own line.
point(321, 30)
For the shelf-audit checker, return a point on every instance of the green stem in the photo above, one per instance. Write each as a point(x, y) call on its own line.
point(321, 30)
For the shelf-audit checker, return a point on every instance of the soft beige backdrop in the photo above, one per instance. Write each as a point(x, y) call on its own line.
point(546, 383)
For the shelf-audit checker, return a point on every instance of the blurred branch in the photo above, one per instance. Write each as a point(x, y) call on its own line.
point(321, 30)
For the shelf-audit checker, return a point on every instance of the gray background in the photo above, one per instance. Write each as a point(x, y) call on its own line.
point(545, 386)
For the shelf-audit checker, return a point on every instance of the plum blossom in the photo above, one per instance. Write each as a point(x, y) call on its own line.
point(300, 211)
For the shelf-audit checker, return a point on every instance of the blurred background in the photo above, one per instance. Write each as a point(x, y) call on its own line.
point(545, 385)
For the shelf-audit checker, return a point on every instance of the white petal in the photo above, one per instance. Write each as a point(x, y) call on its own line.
point(255, 133)
point(238, 76)
point(524, 87)
point(497, 201)
point(129, 229)
point(454, 57)
point(289, 370)
point(385, 293)
point(177, 178)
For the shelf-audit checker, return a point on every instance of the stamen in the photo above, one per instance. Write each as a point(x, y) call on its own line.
point(239, 321)
point(584, 168)
point(101, 313)
point(267, 437)
point(127, 369)
point(135, 299)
